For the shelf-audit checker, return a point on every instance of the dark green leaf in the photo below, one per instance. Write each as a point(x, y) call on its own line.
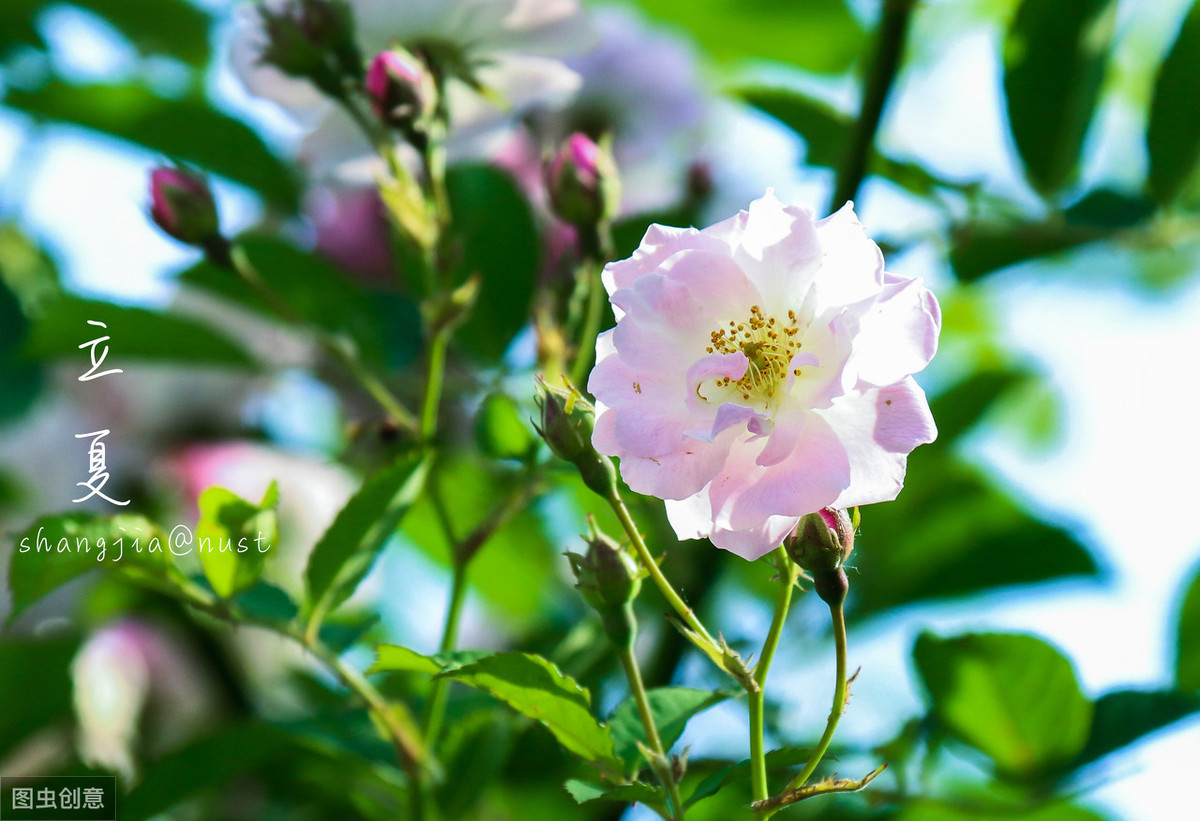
point(22, 380)
point(1125, 716)
point(1013, 697)
point(672, 708)
point(819, 35)
point(637, 792)
point(35, 676)
point(348, 548)
point(384, 327)
point(494, 229)
point(136, 334)
point(233, 537)
point(952, 533)
point(1187, 641)
point(535, 688)
point(1054, 58)
point(1173, 132)
point(56, 549)
point(959, 408)
point(187, 129)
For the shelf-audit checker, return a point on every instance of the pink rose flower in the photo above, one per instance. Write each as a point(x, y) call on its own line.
point(761, 369)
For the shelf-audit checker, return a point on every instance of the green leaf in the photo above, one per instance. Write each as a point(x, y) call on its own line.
point(963, 404)
point(1173, 131)
point(515, 569)
point(35, 675)
point(535, 688)
point(22, 380)
point(929, 810)
point(1013, 697)
point(497, 238)
point(348, 548)
point(186, 129)
point(230, 537)
point(952, 533)
point(1123, 717)
point(392, 658)
point(1054, 59)
point(136, 333)
point(827, 131)
point(819, 35)
point(500, 429)
point(672, 708)
point(1187, 642)
point(979, 249)
point(384, 327)
point(637, 792)
point(56, 549)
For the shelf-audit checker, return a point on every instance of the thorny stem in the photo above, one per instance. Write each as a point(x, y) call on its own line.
point(839, 700)
point(699, 634)
point(756, 697)
point(434, 381)
point(435, 711)
point(596, 244)
point(638, 689)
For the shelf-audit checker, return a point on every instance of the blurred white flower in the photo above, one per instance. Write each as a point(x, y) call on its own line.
point(512, 48)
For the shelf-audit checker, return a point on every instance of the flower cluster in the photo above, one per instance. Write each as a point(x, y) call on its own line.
point(761, 369)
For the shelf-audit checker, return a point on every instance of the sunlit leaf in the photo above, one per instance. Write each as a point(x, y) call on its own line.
point(672, 708)
point(233, 537)
point(1012, 697)
point(535, 688)
point(392, 658)
point(1187, 641)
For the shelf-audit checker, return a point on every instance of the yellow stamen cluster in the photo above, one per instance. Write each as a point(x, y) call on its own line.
point(769, 345)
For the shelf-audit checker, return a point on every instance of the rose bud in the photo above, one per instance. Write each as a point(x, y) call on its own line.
point(820, 544)
point(182, 206)
point(313, 39)
point(402, 91)
point(582, 182)
point(608, 578)
point(566, 425)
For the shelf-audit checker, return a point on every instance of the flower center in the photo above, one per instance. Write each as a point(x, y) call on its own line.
point(768, 343)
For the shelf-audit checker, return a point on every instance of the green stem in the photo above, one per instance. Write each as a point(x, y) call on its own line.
point(664, 586)
point(434, 381)
point(435, 711)
point(235, 258)
point(889, 47)
point(393, 719)
point(839, 700)
point(591, 326)
point(638, 689)
point(757, 696)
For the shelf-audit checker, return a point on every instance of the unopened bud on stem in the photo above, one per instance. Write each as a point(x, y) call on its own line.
point(313, 39)
point(566, 425)
point(582, 182)
point(402, 91)
point(182, 205)
point(820, 544)
point(607, 576)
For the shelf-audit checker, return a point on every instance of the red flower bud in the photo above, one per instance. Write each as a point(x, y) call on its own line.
point(582, 182)
point(182, 205)
point(402, 90)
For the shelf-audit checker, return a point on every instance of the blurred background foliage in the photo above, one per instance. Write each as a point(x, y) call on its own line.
point(1002, 728)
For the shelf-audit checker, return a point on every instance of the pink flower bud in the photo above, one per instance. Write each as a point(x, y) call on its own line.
point(402, 90)
point(582, 182)
point(182, 205)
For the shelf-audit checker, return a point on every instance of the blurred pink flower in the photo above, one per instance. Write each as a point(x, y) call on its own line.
point(761, 369)
point(352, 230)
